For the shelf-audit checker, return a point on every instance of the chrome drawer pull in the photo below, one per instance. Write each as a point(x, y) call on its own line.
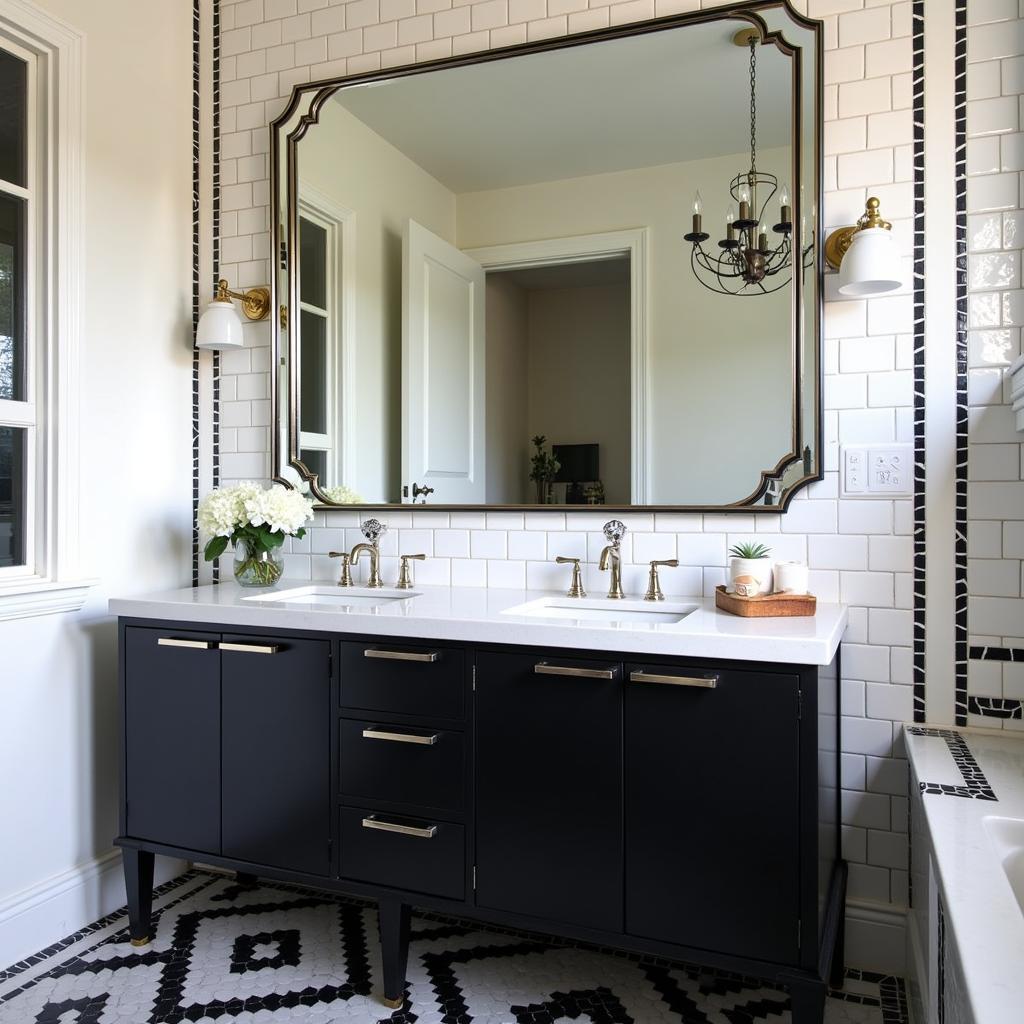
point(705, 682)
point(198, 645)
point(405, 830)
point(250, 648)
point(399, 737)
point(542, 668)
point(401, 655)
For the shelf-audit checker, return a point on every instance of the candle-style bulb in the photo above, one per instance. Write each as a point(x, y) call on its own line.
point(698, 203)
point(744, 193)
point(729, 216)
point(784, 195)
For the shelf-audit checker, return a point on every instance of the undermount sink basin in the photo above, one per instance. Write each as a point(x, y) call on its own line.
point(592, 611)
point(338, 597)
point(1007, 836)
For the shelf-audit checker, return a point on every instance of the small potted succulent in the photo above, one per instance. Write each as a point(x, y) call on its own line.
point(750, 569)
point(256, 521)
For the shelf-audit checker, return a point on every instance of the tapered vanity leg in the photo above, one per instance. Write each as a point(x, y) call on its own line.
point(138, 881)
point(807, 1001)
point(837, 976)
point(394, 942)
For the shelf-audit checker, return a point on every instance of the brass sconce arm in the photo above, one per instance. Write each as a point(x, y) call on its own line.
point(255, 302)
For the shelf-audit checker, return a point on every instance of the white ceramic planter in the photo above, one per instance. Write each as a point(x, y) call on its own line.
point(758, 569)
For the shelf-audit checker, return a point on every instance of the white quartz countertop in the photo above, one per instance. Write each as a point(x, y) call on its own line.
point(981, 911)
point(480, 615)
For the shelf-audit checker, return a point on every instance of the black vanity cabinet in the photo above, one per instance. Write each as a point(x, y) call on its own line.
point(667, 806)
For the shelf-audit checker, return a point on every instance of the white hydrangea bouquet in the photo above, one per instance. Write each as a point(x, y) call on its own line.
point(256, 521)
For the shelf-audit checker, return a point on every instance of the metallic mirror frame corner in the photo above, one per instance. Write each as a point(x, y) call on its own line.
point(303, 110)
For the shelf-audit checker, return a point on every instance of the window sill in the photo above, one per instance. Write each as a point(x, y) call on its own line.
point(42, 597)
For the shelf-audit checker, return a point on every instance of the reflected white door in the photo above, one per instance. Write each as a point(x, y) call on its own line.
point(442, 369)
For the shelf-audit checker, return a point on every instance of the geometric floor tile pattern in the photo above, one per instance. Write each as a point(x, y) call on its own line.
point(273, 953)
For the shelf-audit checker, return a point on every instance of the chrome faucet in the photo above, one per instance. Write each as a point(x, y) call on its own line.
point(611, 557)
point(373, 530)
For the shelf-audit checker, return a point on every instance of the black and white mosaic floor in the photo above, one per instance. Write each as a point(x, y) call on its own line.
point(272, 953)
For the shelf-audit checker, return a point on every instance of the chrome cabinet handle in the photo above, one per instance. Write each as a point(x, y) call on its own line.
point(401, 655)
point(542, 668)
point(250, 648)
point(374, 733)
point(405, 830)
point(705, 682)
point(198, 645)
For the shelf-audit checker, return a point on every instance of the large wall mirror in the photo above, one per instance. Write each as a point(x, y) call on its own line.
point(579, 272)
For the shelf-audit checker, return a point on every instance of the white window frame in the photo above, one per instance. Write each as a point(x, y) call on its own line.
point(50, 581)
point(340, 224)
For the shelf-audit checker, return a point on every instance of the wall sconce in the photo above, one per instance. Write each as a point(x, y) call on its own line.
point(865, 256)
point(220, 326)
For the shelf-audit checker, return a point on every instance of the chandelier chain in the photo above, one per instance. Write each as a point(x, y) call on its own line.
point(753, 106)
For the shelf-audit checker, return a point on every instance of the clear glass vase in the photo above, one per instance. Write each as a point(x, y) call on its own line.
point(257, 568)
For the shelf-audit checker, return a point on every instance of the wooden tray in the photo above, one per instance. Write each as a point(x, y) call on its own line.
point(765, 605)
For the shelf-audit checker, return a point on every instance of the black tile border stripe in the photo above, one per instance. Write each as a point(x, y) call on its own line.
point(215, 466)
point(920, 505)
point(195, 289)
point(960, 474)
point(976, 785)
point(997, 654)
point(996, 707)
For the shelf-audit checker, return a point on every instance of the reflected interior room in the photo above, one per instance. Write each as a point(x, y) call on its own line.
point(512, 511)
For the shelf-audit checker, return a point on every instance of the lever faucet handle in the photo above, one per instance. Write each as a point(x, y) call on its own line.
point(576, 587)
point(614, 531)
point(346, 567)
point(653, 583)
point(373, 530)
point(405, 572)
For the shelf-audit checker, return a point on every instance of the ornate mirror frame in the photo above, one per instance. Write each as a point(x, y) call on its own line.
point(795, 470)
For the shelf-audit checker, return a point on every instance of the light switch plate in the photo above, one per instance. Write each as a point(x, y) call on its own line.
point(878, 471)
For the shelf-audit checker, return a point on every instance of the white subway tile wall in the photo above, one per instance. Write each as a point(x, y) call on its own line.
point(858, 551)
point(995, 490)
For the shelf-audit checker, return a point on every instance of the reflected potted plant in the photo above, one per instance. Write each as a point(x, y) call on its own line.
point(544, 468)
point(255, 520)
point(750, 569)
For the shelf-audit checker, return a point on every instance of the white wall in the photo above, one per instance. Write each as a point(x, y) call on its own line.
point(706, 352)
point(507, 433)
point(58, 680)
point(384, 188)
point(859, 551)
point(579, 366)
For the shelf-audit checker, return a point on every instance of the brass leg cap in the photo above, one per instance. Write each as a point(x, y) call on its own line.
point(393, 1004)
point(141, 942)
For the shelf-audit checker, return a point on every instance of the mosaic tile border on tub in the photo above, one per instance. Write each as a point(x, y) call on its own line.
point(976, 785)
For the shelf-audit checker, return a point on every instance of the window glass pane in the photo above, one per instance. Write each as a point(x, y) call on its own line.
point(12, 289)
point(13, 118)
point(312, 263)
point(316, 462)
point(313, 387)
point(12, 496)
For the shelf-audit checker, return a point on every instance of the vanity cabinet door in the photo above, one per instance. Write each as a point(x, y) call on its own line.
point(549, 788)
point(276, 754)
point(712, 810)
point(172, 737)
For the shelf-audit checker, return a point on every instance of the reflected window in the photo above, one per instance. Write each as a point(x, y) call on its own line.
point(318, 325)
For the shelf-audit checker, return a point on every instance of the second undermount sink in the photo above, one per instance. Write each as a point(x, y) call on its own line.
point(334, 596)
point(1007, 836)
point(584, 611)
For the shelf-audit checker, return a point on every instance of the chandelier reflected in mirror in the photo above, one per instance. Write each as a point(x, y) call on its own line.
point(749, 261)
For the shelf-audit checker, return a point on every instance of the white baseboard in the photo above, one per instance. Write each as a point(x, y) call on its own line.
point(50, 910)
point(876, 937)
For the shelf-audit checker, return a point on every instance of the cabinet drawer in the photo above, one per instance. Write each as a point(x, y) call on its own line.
point(404, 765)
point(421, 855)
point(405, 680)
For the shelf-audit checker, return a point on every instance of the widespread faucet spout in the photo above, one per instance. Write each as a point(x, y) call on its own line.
point(611, 557)
point(372, 530)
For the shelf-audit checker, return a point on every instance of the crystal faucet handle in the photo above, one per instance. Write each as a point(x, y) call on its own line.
point(614, 531)
point(373, 530)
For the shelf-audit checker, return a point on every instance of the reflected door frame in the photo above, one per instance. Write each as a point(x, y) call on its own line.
point(340, 223)
point(631, 243)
